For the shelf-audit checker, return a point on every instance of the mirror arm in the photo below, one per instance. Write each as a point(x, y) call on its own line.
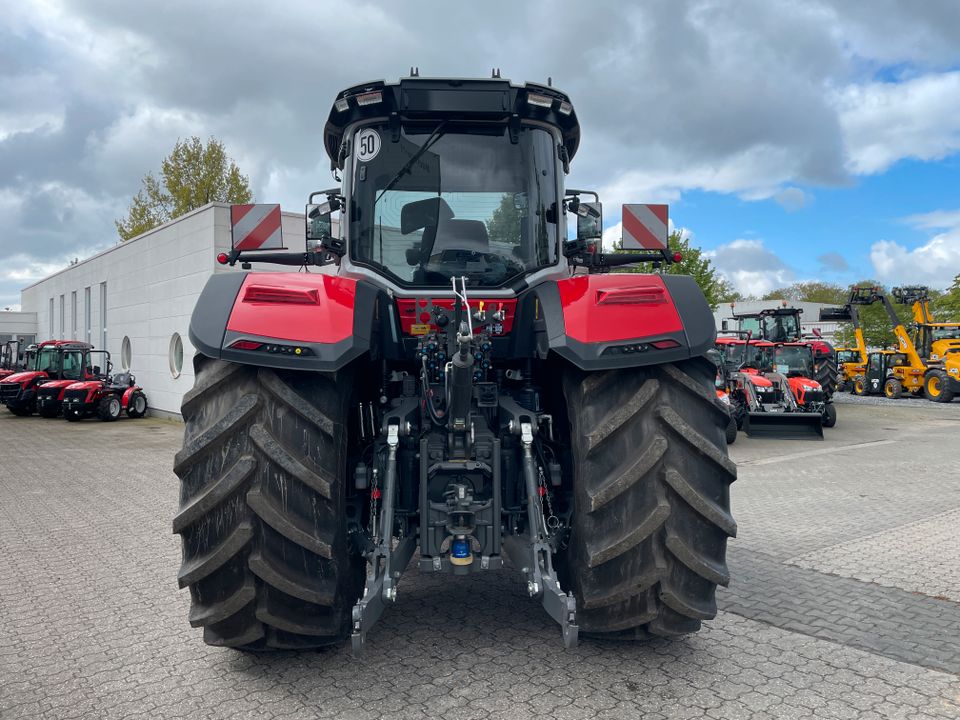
point(314, 258)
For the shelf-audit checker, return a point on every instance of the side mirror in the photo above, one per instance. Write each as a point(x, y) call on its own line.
point(589, 221)
point(319, 222)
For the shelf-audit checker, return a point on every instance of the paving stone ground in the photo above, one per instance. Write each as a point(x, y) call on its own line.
point(915, 557)
point(93, 625)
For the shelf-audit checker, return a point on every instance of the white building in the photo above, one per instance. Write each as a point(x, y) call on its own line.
point(135, 299)
point(18, 326)
point(809, 317)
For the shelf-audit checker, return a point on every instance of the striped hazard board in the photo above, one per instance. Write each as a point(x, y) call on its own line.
point(644, 227)
point(256, 227)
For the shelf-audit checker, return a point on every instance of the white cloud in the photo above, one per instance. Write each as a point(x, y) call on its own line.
point(612, 235)
point(886, 122)
point(791, 199)
point(751, 98)
point(936, 220)
point(751, 266)
point(935, 263)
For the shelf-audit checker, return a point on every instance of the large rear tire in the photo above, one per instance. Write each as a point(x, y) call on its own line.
point(828, 374)
point(262, 511)
point(651, 499)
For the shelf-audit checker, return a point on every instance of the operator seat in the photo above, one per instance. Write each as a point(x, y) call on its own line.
point(468, 235)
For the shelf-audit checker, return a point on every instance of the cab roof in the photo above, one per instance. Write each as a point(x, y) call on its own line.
point(455, 99)
point(65, 344)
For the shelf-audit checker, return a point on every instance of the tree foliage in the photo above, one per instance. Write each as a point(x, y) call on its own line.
point(694, 263)
point(504, 225)
point(192, 175)
point(818, 292)
point(874, 320)
point(946, 306)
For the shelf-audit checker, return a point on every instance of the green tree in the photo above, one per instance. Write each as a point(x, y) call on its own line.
point(818, 292)
point(877, 328)
point(504, 225)
point(192, 175)
point(946, 307)
point(694, 263)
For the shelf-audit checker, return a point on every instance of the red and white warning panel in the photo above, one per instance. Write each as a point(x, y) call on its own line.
point(644, 227)
point(256, 227)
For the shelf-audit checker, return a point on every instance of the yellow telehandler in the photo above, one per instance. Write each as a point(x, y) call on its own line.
point(851, 361)
point(938, 344)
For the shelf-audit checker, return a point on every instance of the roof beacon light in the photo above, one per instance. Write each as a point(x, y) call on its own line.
point(342, 105)
point(538, 100)
point(369, 98)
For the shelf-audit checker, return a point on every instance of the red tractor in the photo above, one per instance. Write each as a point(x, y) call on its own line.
point(54, 360)
point(793, 364)
point(782, 324)
point(75, 366)
point(455, 377)
point(104, 395)
point(762, 401)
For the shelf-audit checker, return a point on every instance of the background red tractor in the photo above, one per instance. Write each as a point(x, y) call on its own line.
point(54, 360)
point(74, 366)
point(106, 396)
point(782, 324)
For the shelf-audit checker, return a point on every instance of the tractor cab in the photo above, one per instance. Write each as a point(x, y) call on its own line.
point(773, 324)
point(792, 360)
point(10, 361)
point(848, 355)
point(880, 375)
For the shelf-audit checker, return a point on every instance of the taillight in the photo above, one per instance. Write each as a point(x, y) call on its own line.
point(245, 345)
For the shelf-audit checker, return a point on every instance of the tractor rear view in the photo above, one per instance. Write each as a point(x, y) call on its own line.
point(459, 379)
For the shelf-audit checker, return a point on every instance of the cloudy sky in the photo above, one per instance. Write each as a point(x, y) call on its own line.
point(814, 140)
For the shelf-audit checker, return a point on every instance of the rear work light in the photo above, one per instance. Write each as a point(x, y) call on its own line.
point(644, 295)
point(342, 105)
point(369, 98)
point(273, 294)
point(565, 107)
point(538, 100)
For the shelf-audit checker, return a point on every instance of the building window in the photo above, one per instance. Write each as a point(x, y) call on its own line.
point(73, 315)
point(103, 315)
point(87, 327)
point(63, 319)
point(50, 314)
point(176, 355)
point(125, 354)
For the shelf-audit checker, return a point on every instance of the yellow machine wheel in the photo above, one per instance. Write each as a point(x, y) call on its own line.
point(859, 385)
point(936, 386)
point(892, 388)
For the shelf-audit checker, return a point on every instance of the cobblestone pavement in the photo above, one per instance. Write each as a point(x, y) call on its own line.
point(915, 556)
point(94, 627)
